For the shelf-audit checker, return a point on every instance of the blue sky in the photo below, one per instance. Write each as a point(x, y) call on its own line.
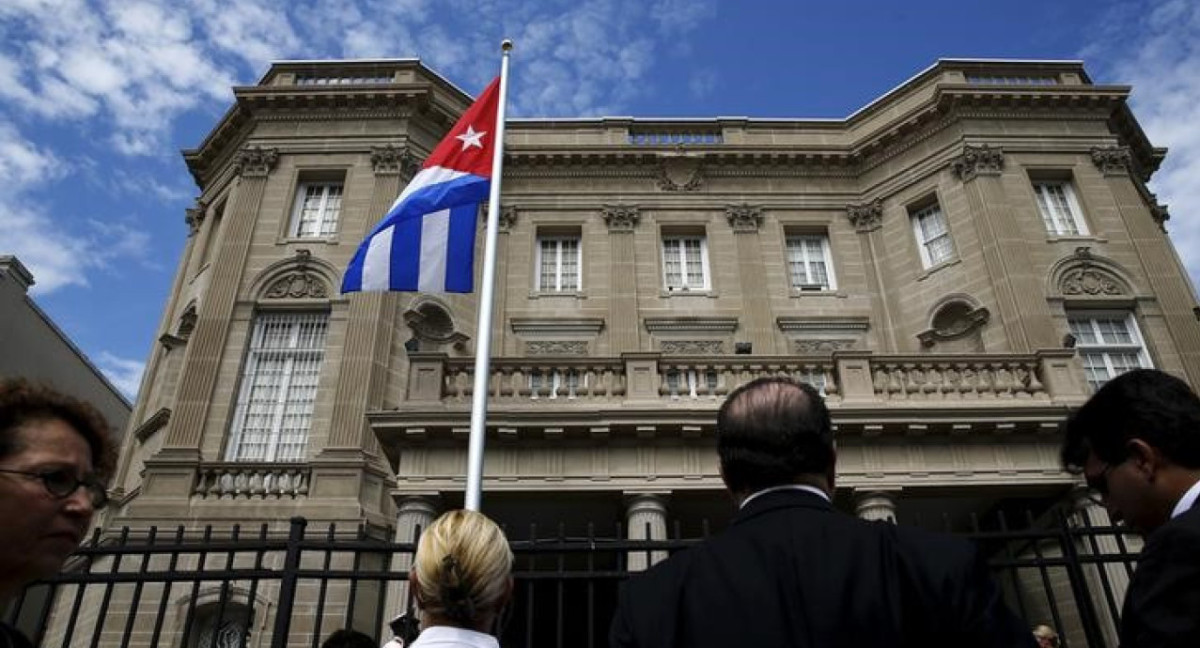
point(97, 97)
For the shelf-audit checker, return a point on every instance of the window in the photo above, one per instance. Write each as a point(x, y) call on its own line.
point(933, 236)
point(278, 387)
point(230, 631)
point(558, 261)
point(685, 263)
point(318, 205)
point(690, 383)
point(674, 138)
point(308, 79)
point(1109, 345)
point(809, 263)
point(556, 382)
point(1059, 208)
point(994, 79)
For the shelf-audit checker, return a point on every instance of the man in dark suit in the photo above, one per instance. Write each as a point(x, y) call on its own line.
point(1137, 443)
point(793, 571)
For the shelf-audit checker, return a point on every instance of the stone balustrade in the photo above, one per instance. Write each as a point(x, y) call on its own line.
point(237, 480)
point(847, 378)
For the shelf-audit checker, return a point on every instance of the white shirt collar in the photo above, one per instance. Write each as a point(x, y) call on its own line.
point(1186, 502)
point(450, 636)
point(800, 487)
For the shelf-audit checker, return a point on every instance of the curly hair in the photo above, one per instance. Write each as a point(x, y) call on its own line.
point(22, 403)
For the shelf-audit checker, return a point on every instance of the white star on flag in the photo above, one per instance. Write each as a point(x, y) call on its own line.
point(471, 138)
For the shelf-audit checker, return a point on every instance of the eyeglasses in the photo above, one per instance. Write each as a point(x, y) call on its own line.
point(63, 483)
point(1097, 486)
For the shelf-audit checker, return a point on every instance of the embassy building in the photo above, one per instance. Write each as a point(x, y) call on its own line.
point(954, 266)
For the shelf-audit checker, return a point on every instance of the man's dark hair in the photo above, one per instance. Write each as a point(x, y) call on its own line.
point(349, 639)
point(1145, 404)
point(22, 403)
point(771, 430)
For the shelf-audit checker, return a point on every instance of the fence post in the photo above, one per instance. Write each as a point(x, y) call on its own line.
point(287, 584)
point(1087, 613)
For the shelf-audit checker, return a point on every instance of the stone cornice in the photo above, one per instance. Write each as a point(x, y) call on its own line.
point(691, 324)
point(548, 325)
point(822, 324)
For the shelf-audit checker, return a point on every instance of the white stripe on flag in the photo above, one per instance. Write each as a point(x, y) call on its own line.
point(377, 264)
point(435, 241)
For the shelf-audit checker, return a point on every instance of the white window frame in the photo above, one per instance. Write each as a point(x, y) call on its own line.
point(924, 245)
point(562, 384)
point(1103, 349)
point(688, 386)
point(329, 209)
point(1056, 222)
point(279, 382)
point(797, 245)
point(559, 274)
point(679, 241)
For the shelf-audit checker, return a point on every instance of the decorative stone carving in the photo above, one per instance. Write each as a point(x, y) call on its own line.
point(866, 217)
point(953, 321)
point(978, 160)
point(556, 348)
point(1160, 214)
point(744, 219)
point(508, 218)
point(680, 173)
point(621, 218)
point(298, 285)
point(187, 323)
point(1112, 160)
point(393, 160)
point(194, 217)
point(1089, 281)
point(691, 324)
point(822, 346)
point(255, 162)
point(692, 347)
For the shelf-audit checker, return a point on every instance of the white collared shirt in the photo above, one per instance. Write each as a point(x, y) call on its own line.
point(800, 487)
point(1186, 502)
point(449, 636)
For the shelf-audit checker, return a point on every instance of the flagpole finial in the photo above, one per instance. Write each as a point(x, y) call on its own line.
point(506, 44)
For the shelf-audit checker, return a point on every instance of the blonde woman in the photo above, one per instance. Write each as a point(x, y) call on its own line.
point(462, 580)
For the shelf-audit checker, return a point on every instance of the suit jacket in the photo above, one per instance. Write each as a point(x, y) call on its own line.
point(1162, 605)
point(793, 571)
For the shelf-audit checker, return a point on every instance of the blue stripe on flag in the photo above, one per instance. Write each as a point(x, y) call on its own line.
point(460, 253)
point(406, 254)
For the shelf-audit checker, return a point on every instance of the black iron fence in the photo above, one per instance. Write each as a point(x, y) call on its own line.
point(294, 584)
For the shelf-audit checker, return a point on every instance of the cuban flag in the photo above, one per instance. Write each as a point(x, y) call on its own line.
point(427, 240)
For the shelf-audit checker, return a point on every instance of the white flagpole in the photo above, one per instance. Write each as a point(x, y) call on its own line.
point(483, 332)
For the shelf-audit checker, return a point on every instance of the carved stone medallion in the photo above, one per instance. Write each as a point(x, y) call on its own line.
point(680, 173)
point(298, 285)
point(977, 161)
point(1089, 281)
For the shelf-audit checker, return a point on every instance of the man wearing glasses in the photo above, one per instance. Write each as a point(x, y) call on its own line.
point(1137, 444)
point(55, 455)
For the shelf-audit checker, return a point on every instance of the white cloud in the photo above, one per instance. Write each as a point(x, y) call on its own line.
point(1158, 53)
point(123, 373)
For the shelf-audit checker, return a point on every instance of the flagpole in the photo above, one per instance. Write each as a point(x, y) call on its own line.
point(483, 331)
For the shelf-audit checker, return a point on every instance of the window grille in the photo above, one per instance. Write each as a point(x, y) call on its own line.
point(1108, 344)
point(809, 263)
point(933, 235)
point(685, 263)
point(995, 79)
point(559, 264)
point(1059, 209)
point(278, 387)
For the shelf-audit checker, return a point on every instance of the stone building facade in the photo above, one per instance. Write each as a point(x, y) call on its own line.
point(954, 265)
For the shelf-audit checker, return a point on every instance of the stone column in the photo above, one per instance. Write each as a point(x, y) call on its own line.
point(415, 512)
point(867, 220)
point(1164, 274)
point(365, 357)
point(876, 505)
point(1085, 513)
point(624, 332)
point(645, 519)
point(1019, 287)
point(746, 221)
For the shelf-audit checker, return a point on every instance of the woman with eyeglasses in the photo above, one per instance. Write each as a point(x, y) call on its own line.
point(55, 457)
point(462, 579)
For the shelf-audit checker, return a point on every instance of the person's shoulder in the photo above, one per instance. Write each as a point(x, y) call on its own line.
point(1177, 539)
